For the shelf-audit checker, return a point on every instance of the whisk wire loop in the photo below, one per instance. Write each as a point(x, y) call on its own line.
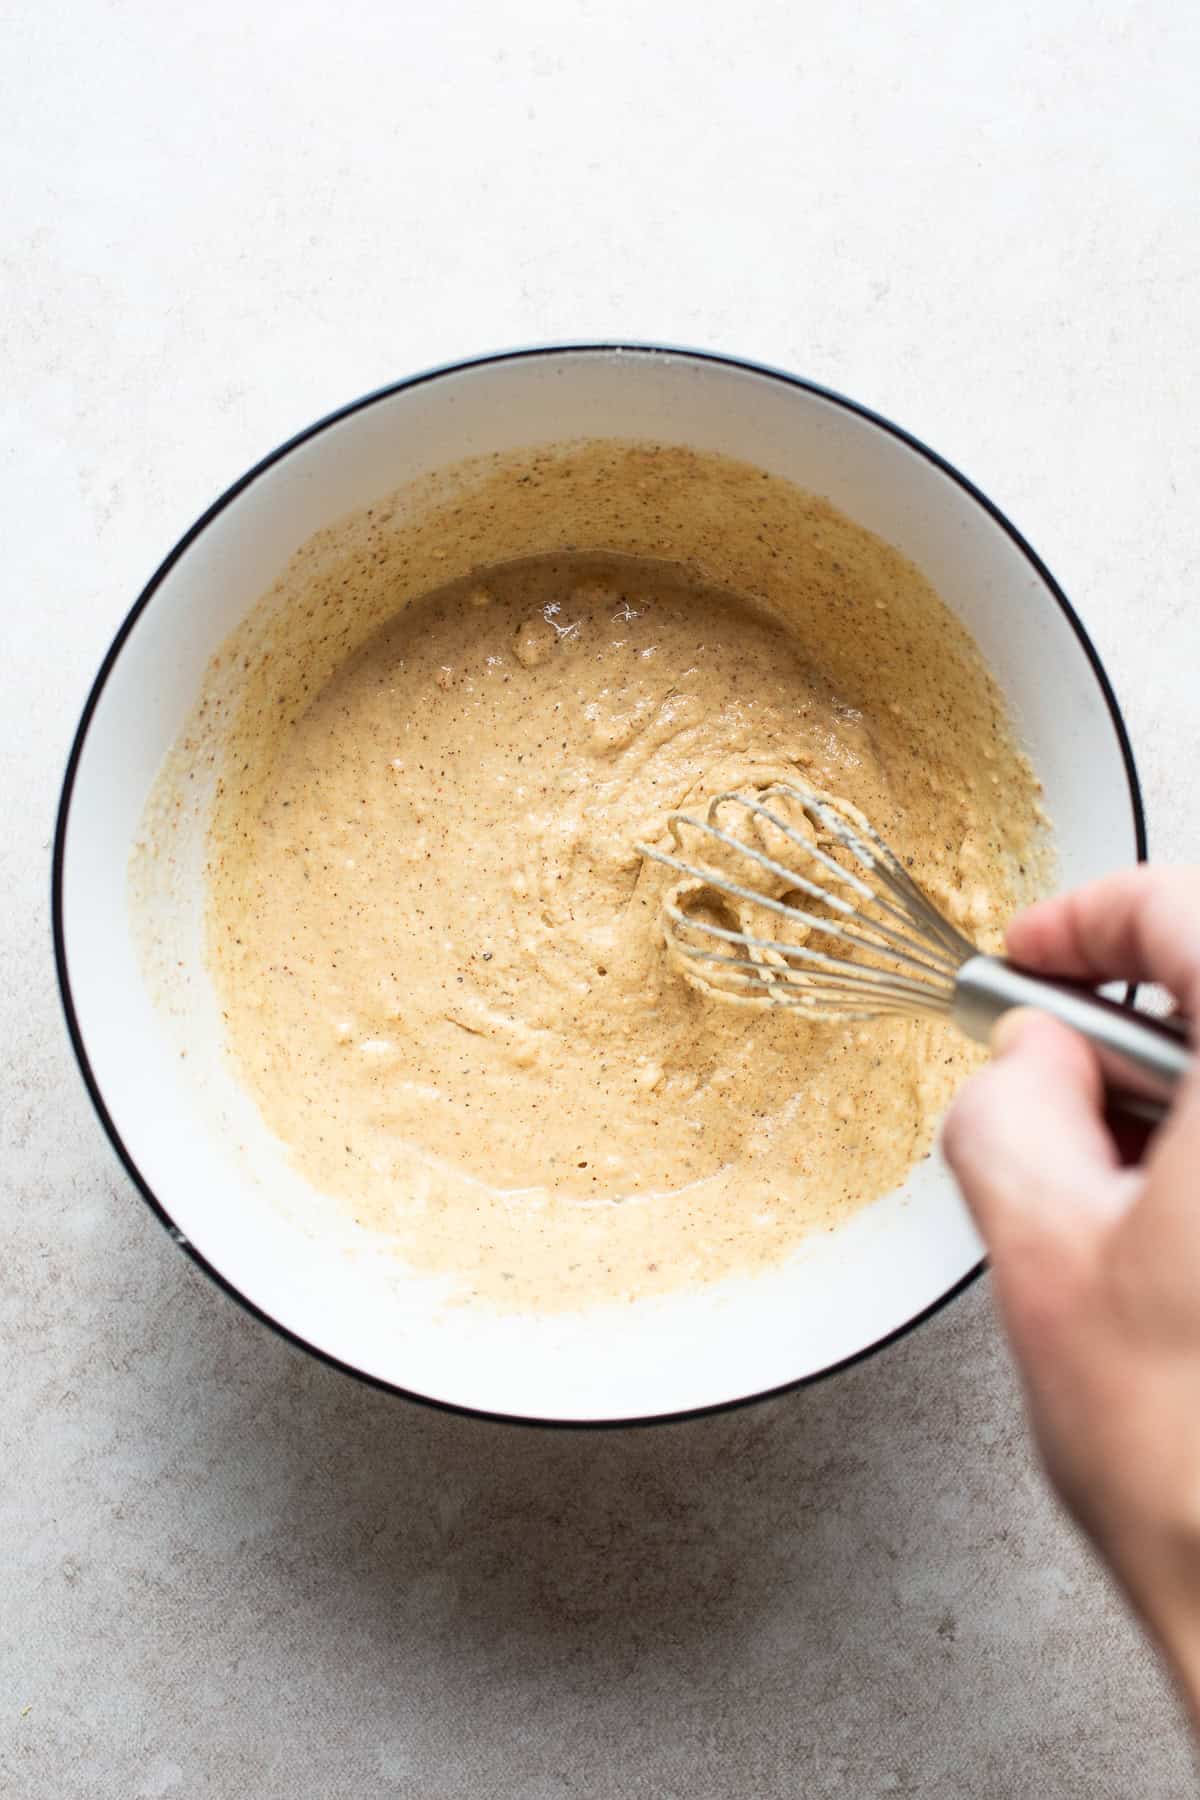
point(914, 953)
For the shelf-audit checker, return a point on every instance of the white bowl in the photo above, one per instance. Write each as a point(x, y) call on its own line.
point(191, 1140)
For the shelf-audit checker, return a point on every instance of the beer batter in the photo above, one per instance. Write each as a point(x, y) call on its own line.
point(440, 956)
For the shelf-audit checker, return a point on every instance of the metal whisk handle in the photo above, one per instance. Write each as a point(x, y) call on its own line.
point(1143, 1058)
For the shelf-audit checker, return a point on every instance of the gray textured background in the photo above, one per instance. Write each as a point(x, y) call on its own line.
point(228, 1571)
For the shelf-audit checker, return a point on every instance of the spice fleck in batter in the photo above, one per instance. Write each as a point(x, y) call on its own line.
point(441, 957)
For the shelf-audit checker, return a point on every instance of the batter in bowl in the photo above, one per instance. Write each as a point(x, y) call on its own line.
point(441, 958)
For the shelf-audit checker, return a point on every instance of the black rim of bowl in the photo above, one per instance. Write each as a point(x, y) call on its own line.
point(598, 348)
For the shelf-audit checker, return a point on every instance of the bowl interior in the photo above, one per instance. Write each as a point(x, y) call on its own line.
point(152, 1046)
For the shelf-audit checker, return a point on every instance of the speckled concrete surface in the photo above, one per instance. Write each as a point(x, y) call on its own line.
point(227, 1570)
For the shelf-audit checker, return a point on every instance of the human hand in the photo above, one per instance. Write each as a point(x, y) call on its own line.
point(1096, 1265)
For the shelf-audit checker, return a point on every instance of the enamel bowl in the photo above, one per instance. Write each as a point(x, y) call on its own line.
point(190, 1138)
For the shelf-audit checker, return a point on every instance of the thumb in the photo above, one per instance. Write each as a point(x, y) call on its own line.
point(1027, 1141)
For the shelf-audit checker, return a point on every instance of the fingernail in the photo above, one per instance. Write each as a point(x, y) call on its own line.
point(1008, 1029)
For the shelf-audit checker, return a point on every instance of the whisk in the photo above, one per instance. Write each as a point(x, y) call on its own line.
point(852, 935)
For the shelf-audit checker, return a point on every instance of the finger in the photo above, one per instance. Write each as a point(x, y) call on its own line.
point(1027, 1142)
point(1140, 925)
point(1165, 1223)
